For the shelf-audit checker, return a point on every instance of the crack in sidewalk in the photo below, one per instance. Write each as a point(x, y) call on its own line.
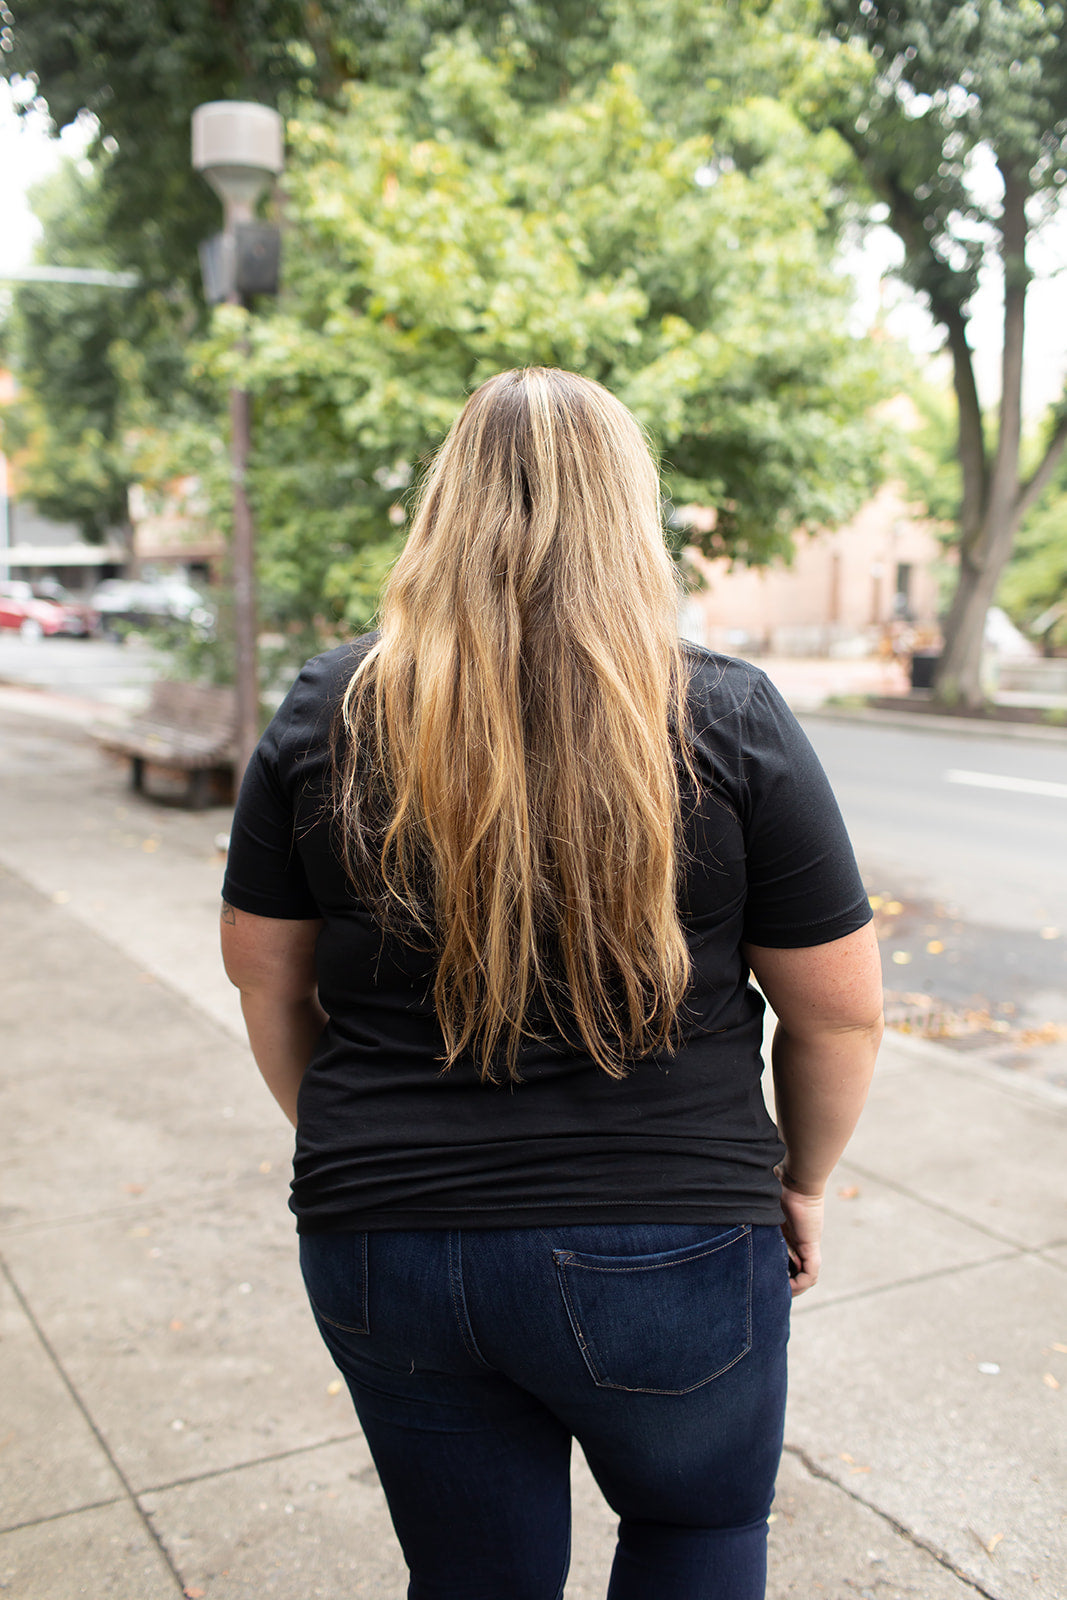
point(914, 1539)
point(90, 1422)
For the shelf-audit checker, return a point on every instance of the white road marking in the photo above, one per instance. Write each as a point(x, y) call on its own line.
point(997, 780)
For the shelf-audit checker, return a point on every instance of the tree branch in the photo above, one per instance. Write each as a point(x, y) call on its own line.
point(1034, 487)
point(1004, 488)
point(948, 311)
point(971, 449)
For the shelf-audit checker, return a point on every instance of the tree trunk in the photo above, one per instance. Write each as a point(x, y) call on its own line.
point(958, 680)
point(985, 549)
point(131, 561)
point(970, 445)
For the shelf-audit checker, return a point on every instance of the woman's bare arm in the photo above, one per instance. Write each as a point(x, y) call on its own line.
point(828, 1001)
point(272, 962)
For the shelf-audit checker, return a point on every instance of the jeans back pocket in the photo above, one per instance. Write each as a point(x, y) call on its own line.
point(664, 1323)
point(334, 1266)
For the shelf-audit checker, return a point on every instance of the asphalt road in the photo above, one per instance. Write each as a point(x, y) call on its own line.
point(962, 841)
point(95, 669)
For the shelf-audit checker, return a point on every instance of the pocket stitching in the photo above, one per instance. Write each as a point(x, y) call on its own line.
point(568, 1258)
point(363, 1326)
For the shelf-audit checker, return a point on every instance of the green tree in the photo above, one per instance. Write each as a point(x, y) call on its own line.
point(141, 69)
point(1033, 589)
point(475, 186)
point(943, 83)
point(72, 348)
point(575, 234)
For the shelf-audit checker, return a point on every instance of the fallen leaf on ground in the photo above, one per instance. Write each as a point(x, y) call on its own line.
point(194, 1594)
point(1053, 1383)
point(264, 1167)
point(176, 1324)
point(934, 948)
point(849, 1193)
point(892, 908)
point(334, 1387)
point(991, 1546)
point(148, 845)
point(1062, 1348)
point(1051, 1033)
point(133, 1188)
point(901, 958)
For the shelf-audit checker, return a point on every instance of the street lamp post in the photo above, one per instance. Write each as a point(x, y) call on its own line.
point(237, 146)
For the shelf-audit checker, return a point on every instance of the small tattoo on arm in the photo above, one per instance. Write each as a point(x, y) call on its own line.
point(228, 913)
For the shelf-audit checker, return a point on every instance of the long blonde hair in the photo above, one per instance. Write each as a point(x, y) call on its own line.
point(505, 757)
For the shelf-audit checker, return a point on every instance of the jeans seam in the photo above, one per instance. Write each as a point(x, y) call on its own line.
point(459, 1299)
point(342, 1327)
point(363, 1326)
point(574, 1257)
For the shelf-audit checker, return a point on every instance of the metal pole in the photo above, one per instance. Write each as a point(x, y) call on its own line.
point(244, 582)
point(243, 549)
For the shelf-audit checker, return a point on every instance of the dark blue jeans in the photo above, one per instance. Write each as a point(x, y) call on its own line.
point(474, 1358)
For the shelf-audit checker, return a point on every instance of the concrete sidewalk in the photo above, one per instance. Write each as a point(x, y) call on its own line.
point(168, 1420)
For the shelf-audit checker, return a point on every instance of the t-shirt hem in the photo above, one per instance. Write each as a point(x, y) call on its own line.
point(723, 1213)
point(258, 905)
point(803, 936)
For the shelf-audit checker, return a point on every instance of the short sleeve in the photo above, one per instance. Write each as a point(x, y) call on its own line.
point(264, 872)
point(803, 884)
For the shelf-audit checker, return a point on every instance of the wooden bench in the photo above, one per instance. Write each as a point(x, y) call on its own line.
point(186, 727)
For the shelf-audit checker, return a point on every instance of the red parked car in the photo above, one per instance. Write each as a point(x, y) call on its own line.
point(41, 612)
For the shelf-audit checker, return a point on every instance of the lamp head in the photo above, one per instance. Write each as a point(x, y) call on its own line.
point(237, 145)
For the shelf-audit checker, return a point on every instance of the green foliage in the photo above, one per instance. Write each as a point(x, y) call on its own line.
point(948, 87)
point(87, 359)
point(1035, 580)
point(926, 458)
point(944, 80)
point(140, 70)
point(573, 235)
point(1034, 584)
point(471, 187)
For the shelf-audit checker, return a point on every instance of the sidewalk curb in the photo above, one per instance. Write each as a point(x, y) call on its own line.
point(927, 722)
point(31, 701)
point(911, 1050)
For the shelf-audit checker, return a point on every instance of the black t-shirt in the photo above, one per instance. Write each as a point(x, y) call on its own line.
point(386, 1139)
